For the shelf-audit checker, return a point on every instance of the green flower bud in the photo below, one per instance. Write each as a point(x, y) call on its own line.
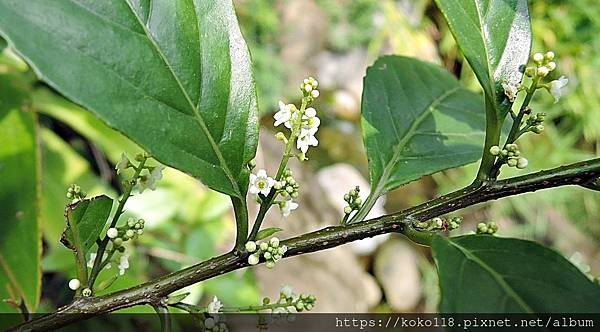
point(346, 197)
point(278, 185)
point(140, 232)
point(551, 65)
point(130, 222)
point(358, 201)
point(512, 162)
point(274, 242)
point(495, 150)
point(250, 246)
point(263, 246)
point(117, 242)
point(280, 136)
point(252, 163)
point(537, 129)
point(538, 58)
point(294, 194)
point(347, 210)
point(267, 255)
point(253, 259)
point(530, 71)
point(543, 71)
point(270, 264)
point(289, 189)
point(549, 56)
point(522, 163)
point(129, 233)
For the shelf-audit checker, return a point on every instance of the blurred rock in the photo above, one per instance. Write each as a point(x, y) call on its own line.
point(396, 268)
point(342, 71)
point(336, 277)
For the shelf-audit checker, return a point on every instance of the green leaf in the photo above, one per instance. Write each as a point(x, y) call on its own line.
point(265, 233)
point(20, 233)
point(417, 120)
point(85, 221)
point(487, 274)
point(495, 37)
point(2, 44)
point(174, 76)
point(177, 298)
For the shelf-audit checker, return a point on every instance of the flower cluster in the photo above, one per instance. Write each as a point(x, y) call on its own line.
point(303, 123)
point(287, 187)
point(439, 224)
point(544, 65)
point(489, 228)
point(353, 199)
point(75, 193)
point(148, 176)
point(534, 122)
point(131, 230)
point(271, 251)
point(510, 155)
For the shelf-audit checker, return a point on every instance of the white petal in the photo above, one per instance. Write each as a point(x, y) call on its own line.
point(310, 112)
point(261, 173)
point(252, 178)
point(253, 190)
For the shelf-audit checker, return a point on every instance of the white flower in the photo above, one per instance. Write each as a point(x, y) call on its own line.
point(557, 88)
point(215, 306)
point(510, 91)
point(287, 206)
point(123, 264)
point(74, 284)
point(310, 121)
point(287, 291)
point(305, 139)
point(149, 180)
point(253, 259)
point(261, 183)
point(123, 163)
point(284, 115)
point(112, 233)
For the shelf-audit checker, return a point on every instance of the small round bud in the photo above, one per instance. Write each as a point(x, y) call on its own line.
point(346, 197)
point(358, 201)
point(112, 233)
point(537, 129)
point(315, 93)
point(549, 56)
point(308, 87)
point(274, 242)
point(551, 65)
point(250, 246)
point(139, 232)
point(86, 292)
point(270, 264)
point(278, 185)
point(522, 163)
point(117, 242)
point(347, 210)
point(530, 71)
point(543, 71)
point(253, 259)
point(538, 57)
point(512, 162)
point(495, 150)
point(130, 222)
point(267, 255)
point(263, 246)
point(74, 284)
point(280, 136)
point(130, 233)
point(294, 194)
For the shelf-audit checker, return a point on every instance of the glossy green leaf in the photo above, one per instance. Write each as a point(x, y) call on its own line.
point(265, 233)
point(85, 221)
point(495, 37)
point(417, 120)
point(488, 274)
point(2, 44)
point(174, 76)
point(20, 234)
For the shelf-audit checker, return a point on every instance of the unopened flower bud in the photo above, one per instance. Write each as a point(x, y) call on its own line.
point(538, 57)
point(112, 233)
point(522, 163)
point(549, 56)
point(280, 136)
point(270, 264)
point(495, 150)
point(347, 210)
point(130, 233)
point(250, 246)
point(86, 292)
point(551, 65)
point(263, 246)
point(315, 93)
point(512, 162)
point(253, 259)
point(274, 242)
point(74, 284)
point(543, 71)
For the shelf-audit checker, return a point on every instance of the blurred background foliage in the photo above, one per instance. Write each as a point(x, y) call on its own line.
point(333, 40)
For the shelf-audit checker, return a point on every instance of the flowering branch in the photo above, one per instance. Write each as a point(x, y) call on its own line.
point(154, 292)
